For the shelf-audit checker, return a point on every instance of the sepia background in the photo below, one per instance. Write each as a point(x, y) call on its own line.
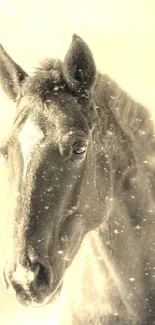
point(121, 34)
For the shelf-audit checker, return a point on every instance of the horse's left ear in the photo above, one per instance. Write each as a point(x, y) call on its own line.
point(11, 75)
point(79, 66)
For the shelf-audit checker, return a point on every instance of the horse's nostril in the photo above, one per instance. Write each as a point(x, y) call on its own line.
point(17, 287)
point(43, 276)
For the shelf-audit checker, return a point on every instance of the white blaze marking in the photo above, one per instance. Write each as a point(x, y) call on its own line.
point(29, 137)
point(23, 275)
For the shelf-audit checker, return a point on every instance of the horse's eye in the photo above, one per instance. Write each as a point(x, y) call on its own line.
point(79, 148)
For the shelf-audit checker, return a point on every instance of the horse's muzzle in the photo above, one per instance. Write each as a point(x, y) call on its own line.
point(32, 284)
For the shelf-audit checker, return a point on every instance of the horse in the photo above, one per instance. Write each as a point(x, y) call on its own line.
point(80, 158)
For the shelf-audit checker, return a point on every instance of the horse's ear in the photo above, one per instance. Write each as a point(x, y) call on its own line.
point(79, 66)
point(11, 75)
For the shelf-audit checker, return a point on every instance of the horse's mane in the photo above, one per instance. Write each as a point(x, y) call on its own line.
point(133, 117)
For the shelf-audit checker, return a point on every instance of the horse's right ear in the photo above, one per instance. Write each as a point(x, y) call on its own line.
point(11, 75)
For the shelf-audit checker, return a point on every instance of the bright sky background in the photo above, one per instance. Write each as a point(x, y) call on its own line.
point(121, 34)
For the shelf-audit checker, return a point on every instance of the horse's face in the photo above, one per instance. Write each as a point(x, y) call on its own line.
point(52, 157)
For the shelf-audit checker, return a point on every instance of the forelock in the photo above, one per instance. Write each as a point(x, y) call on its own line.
point(46, 78)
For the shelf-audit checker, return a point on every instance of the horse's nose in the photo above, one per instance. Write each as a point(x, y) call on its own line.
point(31, 283)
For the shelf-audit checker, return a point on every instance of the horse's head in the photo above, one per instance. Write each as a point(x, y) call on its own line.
point(54, 161)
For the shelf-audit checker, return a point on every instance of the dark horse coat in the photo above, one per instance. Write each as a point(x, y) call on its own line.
point(80, 157)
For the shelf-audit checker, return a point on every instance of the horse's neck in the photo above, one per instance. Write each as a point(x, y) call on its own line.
point(130, 145)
